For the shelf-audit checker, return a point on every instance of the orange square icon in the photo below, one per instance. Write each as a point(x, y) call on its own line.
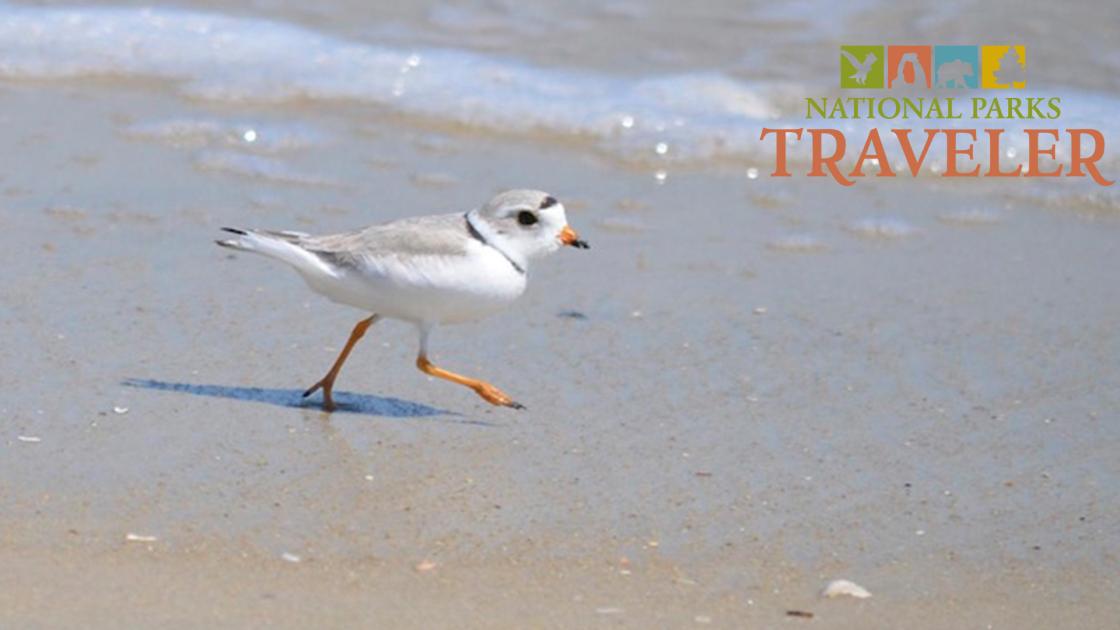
point(909, 67)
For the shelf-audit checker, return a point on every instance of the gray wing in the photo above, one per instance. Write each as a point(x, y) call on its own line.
point(443, 235)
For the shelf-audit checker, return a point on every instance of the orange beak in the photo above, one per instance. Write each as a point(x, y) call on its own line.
point(568, 236)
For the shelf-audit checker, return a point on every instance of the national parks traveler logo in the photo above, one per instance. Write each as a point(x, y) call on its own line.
point(981, 132)
point(944, 67)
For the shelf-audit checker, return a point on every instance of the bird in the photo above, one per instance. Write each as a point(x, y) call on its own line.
point(862, 69)
point(428, 270)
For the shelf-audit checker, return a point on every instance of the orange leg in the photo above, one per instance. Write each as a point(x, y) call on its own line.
point(327, 382)
point(491, 394)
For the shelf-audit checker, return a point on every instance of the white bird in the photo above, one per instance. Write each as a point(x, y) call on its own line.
point(431, 270)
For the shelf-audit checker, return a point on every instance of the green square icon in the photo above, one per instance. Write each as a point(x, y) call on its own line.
point(861, 66)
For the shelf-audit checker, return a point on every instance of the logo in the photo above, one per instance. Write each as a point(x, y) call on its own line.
point(861, 66)
point(1003, 67)
point(909, 67)
point(996, 67)
point(957, 66)
point(977, 134)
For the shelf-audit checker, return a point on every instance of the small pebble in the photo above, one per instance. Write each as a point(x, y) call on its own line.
point(425, 566)
point(837, 588)
point(288, 556)
point(120, 410)
point(130, 537)
point(29, 438)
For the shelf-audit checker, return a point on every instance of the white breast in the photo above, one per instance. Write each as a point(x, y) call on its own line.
point(431, 289)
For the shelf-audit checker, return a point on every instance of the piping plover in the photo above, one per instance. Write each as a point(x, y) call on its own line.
point(441, 269)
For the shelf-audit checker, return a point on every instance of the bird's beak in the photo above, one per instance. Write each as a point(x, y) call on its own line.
point(568, 236)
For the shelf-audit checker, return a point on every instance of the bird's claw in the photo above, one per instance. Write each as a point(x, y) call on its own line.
point(495, 396)
point(328, 402)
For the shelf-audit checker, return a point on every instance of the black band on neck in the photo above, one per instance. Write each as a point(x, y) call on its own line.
point(482, 239)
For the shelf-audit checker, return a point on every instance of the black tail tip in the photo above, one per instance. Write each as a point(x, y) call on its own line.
point(234, 231)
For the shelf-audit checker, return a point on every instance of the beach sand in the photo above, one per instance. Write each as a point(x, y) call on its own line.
point(748, 387)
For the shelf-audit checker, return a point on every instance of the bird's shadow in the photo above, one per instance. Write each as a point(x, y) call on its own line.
point(345, 402)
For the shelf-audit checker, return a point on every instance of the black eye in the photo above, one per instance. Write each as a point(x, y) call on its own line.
point(526, 218)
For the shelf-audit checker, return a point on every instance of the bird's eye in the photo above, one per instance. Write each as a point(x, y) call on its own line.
point(526, 218)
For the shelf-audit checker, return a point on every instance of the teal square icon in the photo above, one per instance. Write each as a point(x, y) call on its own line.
point(956, 67)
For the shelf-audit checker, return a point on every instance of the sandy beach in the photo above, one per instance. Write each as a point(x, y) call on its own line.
point(748, 387)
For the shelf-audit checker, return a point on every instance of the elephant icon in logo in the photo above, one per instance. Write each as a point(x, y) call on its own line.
point(954, 74)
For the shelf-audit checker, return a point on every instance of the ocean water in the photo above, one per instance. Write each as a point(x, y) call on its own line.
point(661, 115)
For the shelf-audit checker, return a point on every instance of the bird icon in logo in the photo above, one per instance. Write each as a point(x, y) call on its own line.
point(862, 67)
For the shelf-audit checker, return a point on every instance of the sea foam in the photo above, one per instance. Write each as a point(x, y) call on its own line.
point(655, 120)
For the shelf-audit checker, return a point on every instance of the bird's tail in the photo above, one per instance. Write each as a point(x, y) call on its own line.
point(283, 246)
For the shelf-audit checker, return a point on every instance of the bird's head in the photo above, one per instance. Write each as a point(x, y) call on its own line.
point(525, 224)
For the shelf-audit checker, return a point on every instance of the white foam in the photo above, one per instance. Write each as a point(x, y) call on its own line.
point(655, 120)
point(228, 58)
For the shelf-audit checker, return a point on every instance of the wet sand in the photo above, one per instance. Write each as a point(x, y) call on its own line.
point(153, 588)
point(747, 388)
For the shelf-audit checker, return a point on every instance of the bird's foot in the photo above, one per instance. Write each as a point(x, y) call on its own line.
point(325, 384)
point(495, 396)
